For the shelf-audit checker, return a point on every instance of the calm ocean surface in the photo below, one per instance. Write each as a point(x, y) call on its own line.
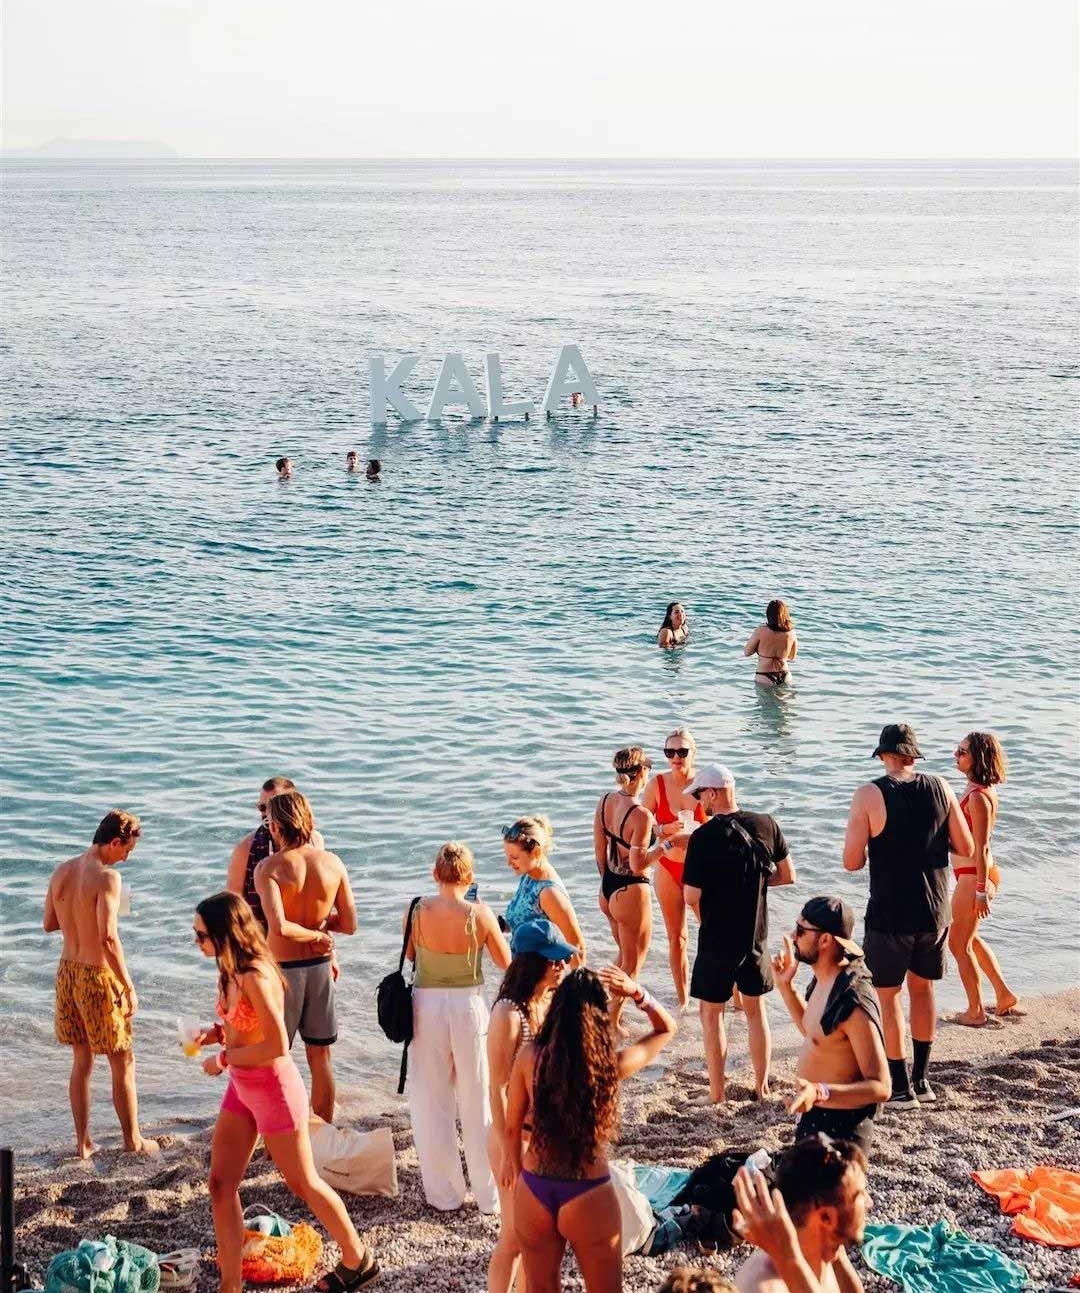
point(850, 385)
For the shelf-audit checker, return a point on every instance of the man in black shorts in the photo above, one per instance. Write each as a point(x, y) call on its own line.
point(730, 862)
point(905, 823)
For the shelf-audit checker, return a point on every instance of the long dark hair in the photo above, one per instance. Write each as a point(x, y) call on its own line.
point(239, 942)
point(521, 978)
point(667, 615)
point(576, 1084)
point(777, 616)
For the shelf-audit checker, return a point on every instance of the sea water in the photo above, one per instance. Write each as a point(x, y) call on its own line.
point(853, 386)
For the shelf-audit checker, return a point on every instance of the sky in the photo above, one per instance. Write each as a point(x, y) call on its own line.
point(559, 78)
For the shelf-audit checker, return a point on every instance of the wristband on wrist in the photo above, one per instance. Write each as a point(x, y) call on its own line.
point(822, 1093)
point(980, 893)
point(644, 1001)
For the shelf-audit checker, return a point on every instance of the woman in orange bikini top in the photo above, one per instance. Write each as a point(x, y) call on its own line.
point(664, 798)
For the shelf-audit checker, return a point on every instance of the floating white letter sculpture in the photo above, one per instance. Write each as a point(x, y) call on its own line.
point(570, 375)
point(387, 390)
point(453, 369)
point(496, 407)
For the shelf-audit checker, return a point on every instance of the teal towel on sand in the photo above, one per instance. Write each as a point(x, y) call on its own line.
point(938, 1259)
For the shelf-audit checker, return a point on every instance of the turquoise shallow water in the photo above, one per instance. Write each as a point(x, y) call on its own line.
point(850, 385)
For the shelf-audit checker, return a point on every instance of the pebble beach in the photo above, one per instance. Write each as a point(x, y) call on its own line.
point(999, 1089)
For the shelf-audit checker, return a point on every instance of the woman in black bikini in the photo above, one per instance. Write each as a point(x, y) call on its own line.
point(622, 828)
point(774, 643)
point(675, 629)
point(564, 1095)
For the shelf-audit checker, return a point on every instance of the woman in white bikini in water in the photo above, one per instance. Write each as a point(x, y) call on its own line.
point(774, 643)
point(981, 759)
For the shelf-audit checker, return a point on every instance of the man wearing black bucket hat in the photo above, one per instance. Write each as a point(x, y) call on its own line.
point(905, 823)
point(842, 1074)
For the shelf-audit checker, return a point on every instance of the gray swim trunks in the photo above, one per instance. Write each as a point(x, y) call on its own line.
point(309, 1001)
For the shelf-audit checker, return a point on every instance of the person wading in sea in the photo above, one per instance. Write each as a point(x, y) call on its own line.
point(95, 994)
point(843, 1076)
point(306, 897)
point(905, 823)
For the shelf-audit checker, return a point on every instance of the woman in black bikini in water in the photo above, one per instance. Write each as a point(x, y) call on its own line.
point(774, 643)
point(676, 628)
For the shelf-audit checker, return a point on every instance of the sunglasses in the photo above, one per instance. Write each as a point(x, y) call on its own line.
point(514, 833)
point(680, 753)
point(962, 749)
point(202, 936)
point(800, 928)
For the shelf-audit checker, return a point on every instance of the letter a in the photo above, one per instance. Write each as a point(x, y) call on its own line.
point(496, 408)
point(453, 369)
point(387, 390)
point(570, 375)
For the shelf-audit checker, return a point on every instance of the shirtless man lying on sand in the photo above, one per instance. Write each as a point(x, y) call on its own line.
point(306, 898)
point(95, 997)
point(801, 1227)
point(843, 1076)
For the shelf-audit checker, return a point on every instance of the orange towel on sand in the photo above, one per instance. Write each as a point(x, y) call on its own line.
point(1044, 1202)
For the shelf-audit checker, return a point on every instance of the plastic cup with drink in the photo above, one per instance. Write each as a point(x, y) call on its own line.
point(688, 821)
point(190, 1031)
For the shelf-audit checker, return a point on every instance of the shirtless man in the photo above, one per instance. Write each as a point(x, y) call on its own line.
point(306, 899)
point(255, 847)
point(801, 1227)
point(843, 1076)
point(774, 643)
point(95, 997)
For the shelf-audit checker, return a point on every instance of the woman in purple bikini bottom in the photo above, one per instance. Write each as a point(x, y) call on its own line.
point(562, 1112)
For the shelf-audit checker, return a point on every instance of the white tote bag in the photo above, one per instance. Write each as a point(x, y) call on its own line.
point(359, 1162)
point(636, 1214)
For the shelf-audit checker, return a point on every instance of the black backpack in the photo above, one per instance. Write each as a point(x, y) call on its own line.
point(711, 1193)
point(393, 1000)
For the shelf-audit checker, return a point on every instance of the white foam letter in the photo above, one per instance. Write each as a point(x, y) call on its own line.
point(496, 408)
point(570, 375)
point(453, 369)
point(387, 390)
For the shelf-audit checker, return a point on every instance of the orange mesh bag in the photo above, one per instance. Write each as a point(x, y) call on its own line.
point(281, 1259)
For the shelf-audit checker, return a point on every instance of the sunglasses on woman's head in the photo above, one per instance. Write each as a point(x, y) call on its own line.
point(512, 834)
point(680, 753)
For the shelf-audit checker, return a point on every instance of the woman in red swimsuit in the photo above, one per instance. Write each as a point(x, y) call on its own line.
point(664, 797)
point(981, 759)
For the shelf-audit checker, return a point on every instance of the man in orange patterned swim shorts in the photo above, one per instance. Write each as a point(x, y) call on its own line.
point(95, 997)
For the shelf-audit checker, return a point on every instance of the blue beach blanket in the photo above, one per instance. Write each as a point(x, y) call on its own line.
point(660, 1184)
point(939, 1259)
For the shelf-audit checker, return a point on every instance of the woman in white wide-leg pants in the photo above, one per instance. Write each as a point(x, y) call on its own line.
point(448, 1073)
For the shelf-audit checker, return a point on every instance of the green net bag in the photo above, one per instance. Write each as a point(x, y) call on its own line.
point(106, 1266)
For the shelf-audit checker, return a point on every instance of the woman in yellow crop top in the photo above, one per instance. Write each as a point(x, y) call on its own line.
point(447, 1057)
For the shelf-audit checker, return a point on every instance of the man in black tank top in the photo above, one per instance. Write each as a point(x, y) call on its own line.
point(254, 848)
point(905, 823)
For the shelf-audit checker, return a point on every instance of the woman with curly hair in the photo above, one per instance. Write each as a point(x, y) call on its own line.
point(981, 759)
point(541, 959)
point(564, 1091)
point(265, 1095)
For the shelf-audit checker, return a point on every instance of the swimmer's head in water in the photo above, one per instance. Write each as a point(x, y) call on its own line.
point(284, 467)
point(374, 467)
point(674, 616)
point(777, 616)
point(351, 459)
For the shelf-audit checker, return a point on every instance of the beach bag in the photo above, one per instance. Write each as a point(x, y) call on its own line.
point(359, 1162)
point(635, 1214)
point(711, 1191)
point(109, 1266)
point(276, 1252)
point(393, 1000)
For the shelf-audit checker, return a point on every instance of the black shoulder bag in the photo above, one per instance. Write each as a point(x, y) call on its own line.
point(394, 1003)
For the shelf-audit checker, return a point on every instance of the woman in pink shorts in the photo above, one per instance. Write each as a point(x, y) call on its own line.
point(265, 1095)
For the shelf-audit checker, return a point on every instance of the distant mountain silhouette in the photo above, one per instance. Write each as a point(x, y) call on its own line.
point(95, 148)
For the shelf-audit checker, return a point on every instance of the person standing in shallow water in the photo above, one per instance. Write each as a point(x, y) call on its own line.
point(675, 629)
point(904, 824)
point(981, 759)
point(774, 643)
point(95, 994)
point(255, 847)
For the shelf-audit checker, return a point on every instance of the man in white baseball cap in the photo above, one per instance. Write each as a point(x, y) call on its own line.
point(730, 862)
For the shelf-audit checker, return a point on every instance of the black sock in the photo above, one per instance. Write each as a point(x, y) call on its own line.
point(898, 1073)
point(921, 1061)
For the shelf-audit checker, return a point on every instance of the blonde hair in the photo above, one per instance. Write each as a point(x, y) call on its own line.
point(534, 833)
point(628, 763)
point(291, 814)
point(454, 863)
point(686, 735)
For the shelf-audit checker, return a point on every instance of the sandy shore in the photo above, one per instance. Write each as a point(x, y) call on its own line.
point(997, 1088)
